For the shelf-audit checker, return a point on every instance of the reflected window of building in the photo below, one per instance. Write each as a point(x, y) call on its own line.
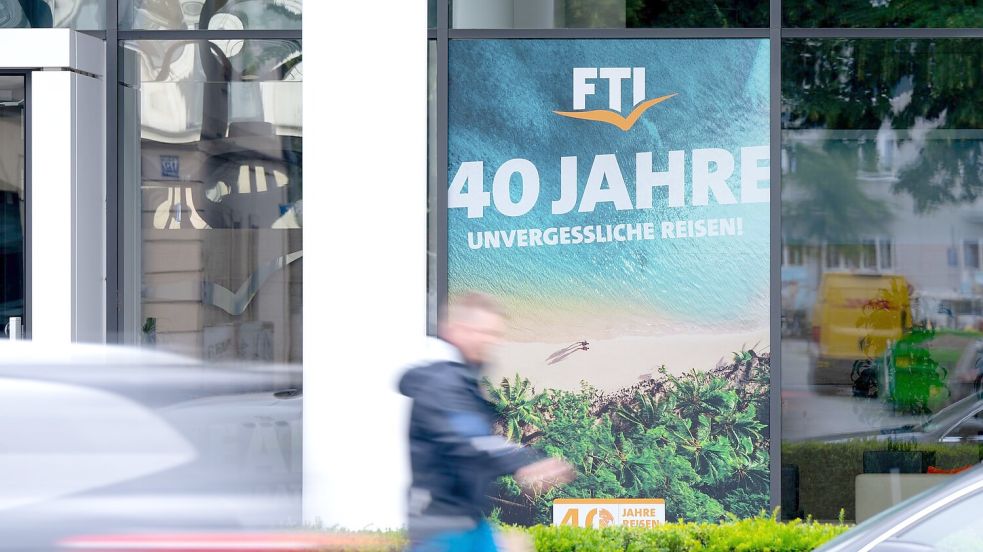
point(971, 254)
point(549, 14)
point(212, 162)
point(74, 14)
point(226, 15)
point(793, 255)
point(882, 323)
point(12, 194)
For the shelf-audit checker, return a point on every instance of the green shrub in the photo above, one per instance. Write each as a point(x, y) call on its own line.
point(750, 535)
point(759, 534)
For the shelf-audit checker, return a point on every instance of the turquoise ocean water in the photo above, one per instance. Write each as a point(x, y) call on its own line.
point(502, 95)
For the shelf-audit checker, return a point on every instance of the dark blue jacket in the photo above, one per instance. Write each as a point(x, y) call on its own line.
point(454, 454)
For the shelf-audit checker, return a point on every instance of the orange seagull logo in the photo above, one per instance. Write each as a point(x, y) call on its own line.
point(613, 118)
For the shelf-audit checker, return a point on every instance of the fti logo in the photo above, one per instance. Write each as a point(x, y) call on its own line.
point(585, 83)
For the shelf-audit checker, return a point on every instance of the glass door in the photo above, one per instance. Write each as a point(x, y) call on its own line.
point(12, 195)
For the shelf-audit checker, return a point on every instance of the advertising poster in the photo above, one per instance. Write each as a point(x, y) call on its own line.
point(613, 195)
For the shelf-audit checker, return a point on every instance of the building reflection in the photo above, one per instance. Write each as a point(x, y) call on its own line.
point(220, 175)
point(882, 288)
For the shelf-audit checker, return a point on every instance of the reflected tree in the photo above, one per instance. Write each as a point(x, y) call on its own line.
point(901, 91)
point(884, 13)
point(697, 13)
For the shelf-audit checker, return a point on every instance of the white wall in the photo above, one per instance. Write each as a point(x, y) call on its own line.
point(365, 172)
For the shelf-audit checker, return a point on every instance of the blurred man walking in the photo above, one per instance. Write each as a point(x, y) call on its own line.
point(454, 453)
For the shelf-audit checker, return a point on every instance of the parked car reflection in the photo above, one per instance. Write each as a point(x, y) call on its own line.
point(960, 422)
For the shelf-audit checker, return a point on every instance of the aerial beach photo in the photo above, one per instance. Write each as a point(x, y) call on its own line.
point(615, 363)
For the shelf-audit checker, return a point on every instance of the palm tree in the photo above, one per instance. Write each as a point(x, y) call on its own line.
point(700, 393)
point(636, 468)
point(711, 456)
point(740, 424)
point(645, 411)
point(751, 468)
point(516, 404)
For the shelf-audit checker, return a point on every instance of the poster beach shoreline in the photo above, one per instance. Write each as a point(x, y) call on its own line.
point(611, 364)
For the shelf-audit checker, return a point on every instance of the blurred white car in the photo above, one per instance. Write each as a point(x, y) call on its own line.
point(101, 443)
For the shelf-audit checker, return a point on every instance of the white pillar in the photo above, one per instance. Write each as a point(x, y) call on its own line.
point(67, 182)
point(365, 172)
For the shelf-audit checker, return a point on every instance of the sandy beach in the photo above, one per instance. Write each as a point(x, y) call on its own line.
point(611, 364)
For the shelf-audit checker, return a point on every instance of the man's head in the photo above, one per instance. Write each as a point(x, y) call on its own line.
point(475, 324)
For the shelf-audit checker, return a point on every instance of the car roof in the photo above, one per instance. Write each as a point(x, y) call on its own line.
point(146, 374)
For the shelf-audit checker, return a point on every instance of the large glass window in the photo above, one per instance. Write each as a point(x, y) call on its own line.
point(12, 214)
point(75, 14)
point(217, 161)
point(546, 14)
point(210, 14)
point(881, 191)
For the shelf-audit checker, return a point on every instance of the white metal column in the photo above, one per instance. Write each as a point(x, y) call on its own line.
point(67, 180)
point(365, 244)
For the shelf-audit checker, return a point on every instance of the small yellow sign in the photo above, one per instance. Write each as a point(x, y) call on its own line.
point(602, 512)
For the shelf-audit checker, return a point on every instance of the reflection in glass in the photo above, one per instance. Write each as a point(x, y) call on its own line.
point(548, 14)
point(882, 292)
point(228, 15)
point(74, 14)
point(11, 201)
point(220, 173)
point(882, 13)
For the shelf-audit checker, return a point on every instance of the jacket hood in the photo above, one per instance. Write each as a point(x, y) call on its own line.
point(415, 380)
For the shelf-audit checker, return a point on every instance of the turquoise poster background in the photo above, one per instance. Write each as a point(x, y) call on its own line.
point(653, 350)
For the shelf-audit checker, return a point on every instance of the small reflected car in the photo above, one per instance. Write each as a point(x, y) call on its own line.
point(960, 422)
point(102, 445)
point(943, 519)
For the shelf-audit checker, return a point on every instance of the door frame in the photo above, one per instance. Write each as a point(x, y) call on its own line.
point(26, 75)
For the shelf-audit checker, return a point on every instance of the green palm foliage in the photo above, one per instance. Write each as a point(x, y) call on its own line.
point(516, 405)
point(698, 440)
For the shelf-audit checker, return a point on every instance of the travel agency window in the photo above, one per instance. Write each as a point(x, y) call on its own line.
point(626, 178)
point(211, 170)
